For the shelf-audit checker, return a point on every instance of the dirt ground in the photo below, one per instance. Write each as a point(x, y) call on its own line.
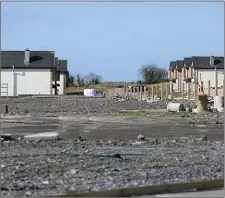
point(103, 151)
point(117, 127)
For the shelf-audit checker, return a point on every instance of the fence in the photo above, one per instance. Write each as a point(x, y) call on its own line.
point(165, 91)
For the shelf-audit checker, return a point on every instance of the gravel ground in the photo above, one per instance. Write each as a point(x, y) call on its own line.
point(177, 148)
point(58, 166)
point(73, 105)
point(78, 105)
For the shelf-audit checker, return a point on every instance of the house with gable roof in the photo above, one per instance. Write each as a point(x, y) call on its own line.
point(29, 73)
point(196, 69)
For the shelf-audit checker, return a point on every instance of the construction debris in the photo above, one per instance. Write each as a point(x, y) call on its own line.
point(42, 136)
point(175, 107)
point(7, 137)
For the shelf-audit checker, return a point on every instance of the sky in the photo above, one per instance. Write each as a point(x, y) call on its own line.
point(114, 39)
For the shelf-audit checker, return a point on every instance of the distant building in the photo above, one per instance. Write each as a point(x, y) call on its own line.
point(201, 70)
point(30, 73)
point(196, 70)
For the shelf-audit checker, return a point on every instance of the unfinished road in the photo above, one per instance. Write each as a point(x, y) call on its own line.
point(98, 147)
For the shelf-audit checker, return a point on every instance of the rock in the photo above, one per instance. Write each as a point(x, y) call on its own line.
point(141, 137)
point(73, 171)
point(86, 151)
point(111, 142)
point(137, 143)
point(45, 182)
point(122, 143)
point(117, 155)
point(6, 137)
point(204, 138)
point(156, 141)
point(81, 139)
point(28, 193)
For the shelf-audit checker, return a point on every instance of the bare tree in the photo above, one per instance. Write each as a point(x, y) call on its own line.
point(92, 79)
point(151, 74)
point(70, 81)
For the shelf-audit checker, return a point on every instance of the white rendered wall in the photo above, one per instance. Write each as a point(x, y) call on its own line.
point(209, 74)
point(61, 88)
point(27, 81)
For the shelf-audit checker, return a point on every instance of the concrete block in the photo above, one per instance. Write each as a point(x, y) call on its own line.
point(42, 136)
point(195, 110)
point(175, 107)
point(220, 109)
point(141, 137)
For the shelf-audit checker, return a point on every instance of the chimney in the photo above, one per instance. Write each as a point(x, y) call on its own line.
point(27, 57)
point(211, 61)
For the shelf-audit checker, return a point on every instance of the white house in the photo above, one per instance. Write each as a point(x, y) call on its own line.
point(27, 73)
point(203, 72)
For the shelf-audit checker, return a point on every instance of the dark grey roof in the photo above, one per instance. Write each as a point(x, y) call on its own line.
point(202, 62)
point(187, 62)
point(219, 62)
point(172, 65)
point(63, 66)
point(179, 65)
point(44, 59)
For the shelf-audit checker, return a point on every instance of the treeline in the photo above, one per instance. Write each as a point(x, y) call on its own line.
point(83, 80)
point(149, 74)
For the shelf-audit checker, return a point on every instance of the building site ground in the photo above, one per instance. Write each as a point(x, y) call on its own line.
point(105, 144)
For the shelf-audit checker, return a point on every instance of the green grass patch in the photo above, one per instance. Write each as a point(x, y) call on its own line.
point(137, 113)
point(181, 113)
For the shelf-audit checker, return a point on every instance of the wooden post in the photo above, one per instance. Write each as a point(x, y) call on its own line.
point(145, 92)
point(209, 87)
point(152, 91)
point(149, 91)
point(223, 88)
point(182, 91)
point(166, 91)
point(216, 83)
point(202, 86)
point(171, 91)
point(156, 90)
point(189, 90)
point(195, 91)
point(136, 93)
point(141, 92)
point(161, 91)
point(6, 109)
